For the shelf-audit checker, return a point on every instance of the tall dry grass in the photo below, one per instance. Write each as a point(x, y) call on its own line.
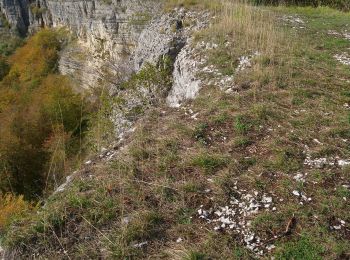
point(250, 28)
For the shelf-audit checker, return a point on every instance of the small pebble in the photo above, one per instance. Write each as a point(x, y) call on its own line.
point(179, 240)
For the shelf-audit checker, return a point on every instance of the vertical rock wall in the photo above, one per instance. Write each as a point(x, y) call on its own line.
point(107, 31)
point(16, 12)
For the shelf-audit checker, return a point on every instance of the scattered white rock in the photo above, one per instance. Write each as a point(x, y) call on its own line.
point(317, 141)
point(88, 162)
point(245, 62)
point(64, 185)
point(340, 225)
point(140, 245)
point(194, 116)
point(266, 199)
point(295, 21)
point(337, 227)
point(296, 193)
point(302, 197)
point(343, 58)
point(343, 163)
point(236, 216)
point(299, 177)
point(2, 251)
point(179, 240)
point(317, 162)
point(125, 220)
point(344, 34)
point(320, 163)
point(270, 247)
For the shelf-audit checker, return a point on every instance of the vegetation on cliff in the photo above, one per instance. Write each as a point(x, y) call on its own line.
point(42, 119)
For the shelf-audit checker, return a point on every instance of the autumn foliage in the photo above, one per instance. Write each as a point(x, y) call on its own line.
point(41, 118)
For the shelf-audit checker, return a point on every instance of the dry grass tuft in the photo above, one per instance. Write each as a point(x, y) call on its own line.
point(249, 28)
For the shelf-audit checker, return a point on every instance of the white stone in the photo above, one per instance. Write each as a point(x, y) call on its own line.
point(296, 193)
point(343, 163)
point(270, 247)
point(142, 244)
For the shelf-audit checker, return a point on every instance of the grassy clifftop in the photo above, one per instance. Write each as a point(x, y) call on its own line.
point(256, 169)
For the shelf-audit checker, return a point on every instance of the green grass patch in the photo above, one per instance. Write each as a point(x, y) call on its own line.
point(209, 163)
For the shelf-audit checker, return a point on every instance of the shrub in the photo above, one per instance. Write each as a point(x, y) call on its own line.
point(38, 57)
point(4, 67)
point(11, 208)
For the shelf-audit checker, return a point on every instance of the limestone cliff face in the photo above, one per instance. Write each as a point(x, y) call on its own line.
point(95, 20)
point(107, 35)
point(107, 31)
point(114, 37)
point(16, 13)
point(104, 27)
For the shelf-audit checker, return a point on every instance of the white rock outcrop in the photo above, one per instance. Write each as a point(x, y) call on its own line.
point(186, 83)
